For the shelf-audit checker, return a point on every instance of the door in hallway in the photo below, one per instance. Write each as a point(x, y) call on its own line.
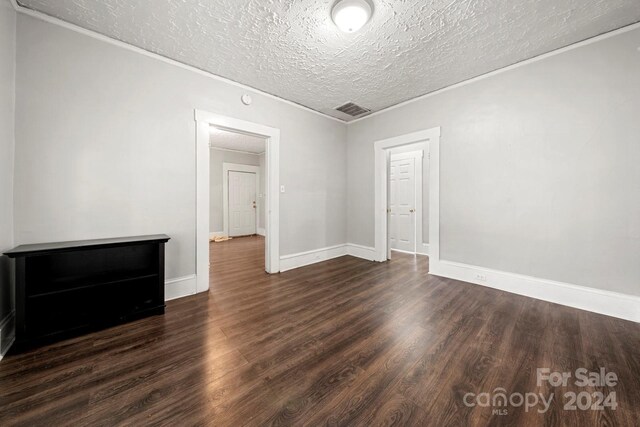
point(242, 203)
point(402, 200)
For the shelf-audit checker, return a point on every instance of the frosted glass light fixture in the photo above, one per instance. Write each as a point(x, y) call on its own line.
point(351, 15)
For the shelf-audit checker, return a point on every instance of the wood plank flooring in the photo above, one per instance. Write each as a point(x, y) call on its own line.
point(344, 342)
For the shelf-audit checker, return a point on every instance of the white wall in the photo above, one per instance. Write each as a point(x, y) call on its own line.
point(216, 159)
point(539, 163)
point(7, 92)
point(539, 167)
point(105, 146)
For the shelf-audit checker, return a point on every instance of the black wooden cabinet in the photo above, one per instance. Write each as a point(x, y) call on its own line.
point(65, 289)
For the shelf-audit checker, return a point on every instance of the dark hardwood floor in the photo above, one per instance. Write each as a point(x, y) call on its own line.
point(345, 342)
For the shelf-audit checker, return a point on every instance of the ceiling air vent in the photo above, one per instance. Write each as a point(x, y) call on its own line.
point(353, 110)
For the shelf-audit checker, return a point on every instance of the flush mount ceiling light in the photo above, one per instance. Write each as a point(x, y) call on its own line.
point(351, 15)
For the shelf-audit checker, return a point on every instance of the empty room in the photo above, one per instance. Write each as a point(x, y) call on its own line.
point(319, 212)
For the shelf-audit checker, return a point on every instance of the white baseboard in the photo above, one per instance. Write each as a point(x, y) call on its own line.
point(359, 251)
point(614, 304)
point(369, 253)
point(422, 249)
point(289, 262)
point(214, 234)
point(402, 251)
point(179, 287)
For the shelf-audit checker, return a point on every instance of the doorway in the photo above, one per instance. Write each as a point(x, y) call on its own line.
point(267, 200)
point(236, 201)
point(428, 140)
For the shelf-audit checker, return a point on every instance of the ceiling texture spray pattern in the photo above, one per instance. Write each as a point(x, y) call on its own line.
point(236, 141)
point(293, 50)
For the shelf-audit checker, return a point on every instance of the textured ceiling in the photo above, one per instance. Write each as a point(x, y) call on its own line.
point(292, 49)
point(235, 141)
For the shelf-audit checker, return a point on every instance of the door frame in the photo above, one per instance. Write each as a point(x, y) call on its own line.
point(236, 167)
point(381, 178)
point(418, 156)
point(204, 120)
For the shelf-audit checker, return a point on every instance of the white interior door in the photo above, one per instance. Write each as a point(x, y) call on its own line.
point(402, 199)
point(242, 203)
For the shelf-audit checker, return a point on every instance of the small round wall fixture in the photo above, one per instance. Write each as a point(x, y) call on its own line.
point(246, 99)
point(351, 15)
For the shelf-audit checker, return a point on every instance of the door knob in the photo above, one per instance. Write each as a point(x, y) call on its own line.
point(412, 210)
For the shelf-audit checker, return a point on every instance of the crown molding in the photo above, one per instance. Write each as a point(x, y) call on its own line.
point(56, 21)
point(93, 34)
point(540, 57)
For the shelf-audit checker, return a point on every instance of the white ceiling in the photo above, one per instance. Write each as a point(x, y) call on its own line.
point(236, 141)
point(292, 49)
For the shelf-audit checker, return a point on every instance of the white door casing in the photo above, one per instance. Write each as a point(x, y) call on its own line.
point(242, 203)
point(402, 203)
point(381, 181)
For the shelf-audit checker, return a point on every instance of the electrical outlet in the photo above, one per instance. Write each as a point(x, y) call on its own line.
point(481, 277)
